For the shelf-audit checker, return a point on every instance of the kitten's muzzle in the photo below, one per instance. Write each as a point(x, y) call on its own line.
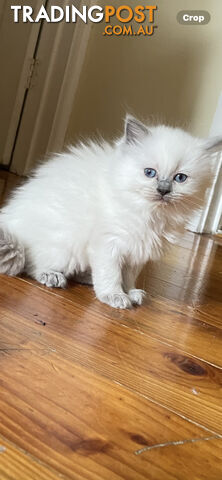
point(164, 187)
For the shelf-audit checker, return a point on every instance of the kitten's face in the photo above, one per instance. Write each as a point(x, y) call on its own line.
point(164, 165)
point(170, 167)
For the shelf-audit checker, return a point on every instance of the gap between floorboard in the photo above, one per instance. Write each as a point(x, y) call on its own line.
point(113, 321)
point(31, 456)
point(168, 409)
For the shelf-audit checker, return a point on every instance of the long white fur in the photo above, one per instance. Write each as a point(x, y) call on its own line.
point(92, 208)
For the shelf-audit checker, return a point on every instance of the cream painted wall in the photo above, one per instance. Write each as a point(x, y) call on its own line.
point(175, 75)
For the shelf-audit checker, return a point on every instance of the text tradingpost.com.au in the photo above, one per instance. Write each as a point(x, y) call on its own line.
point(124, 14)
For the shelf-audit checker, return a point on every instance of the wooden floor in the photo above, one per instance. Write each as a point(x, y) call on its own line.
point(88, 392)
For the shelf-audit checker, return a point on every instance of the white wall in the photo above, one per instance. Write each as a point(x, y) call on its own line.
point(175, 75)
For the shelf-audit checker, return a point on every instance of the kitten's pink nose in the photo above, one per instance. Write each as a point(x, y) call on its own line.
point(164, 187)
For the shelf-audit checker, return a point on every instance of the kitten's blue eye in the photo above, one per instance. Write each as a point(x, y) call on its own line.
point(180, 177)
point(150, 172)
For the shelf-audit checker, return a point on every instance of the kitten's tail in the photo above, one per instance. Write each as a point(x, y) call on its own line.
point(12, 254)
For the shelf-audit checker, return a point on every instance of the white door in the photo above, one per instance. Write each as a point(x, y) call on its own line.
point(42, 64)
point(41, 102)
point(17, 50)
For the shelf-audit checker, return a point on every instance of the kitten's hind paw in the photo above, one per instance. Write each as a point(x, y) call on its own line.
point(116, 300)
point(52, 279)
point(137, 295)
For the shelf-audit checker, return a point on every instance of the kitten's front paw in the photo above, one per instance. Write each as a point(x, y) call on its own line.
point(116, 300)
point(137, 295)
point(52, 279)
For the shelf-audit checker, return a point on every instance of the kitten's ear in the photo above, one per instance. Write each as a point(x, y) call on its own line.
point(135, 130)
point(213, 145)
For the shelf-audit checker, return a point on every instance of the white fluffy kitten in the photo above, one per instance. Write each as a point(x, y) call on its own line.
point(105, 209)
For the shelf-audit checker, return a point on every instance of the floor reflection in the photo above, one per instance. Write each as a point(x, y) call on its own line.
point(189, 272)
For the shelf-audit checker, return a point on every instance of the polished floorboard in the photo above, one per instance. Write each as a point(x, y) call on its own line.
point(92, 393)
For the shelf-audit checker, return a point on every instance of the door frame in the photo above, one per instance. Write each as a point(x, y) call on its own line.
point(208, 220)
point(69, 85)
